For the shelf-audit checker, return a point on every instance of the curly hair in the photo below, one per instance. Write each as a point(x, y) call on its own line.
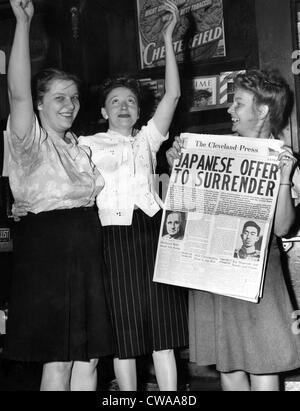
point(120, 81)
point(42, 81)
point(269, 88)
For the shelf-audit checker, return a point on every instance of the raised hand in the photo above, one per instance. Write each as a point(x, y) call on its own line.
point(23, 10)
point(171, 18)
point(286, 165)
point(174, 152)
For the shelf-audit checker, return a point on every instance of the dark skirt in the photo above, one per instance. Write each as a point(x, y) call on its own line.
point(57, 309)
point(240, 335)
point(146, 316)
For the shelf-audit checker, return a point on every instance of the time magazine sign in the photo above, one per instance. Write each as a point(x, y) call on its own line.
point(200, 31)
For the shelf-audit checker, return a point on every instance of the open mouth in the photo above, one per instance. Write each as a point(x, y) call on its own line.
point(67, 116)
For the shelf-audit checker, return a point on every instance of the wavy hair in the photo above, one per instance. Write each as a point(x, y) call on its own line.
point(42, 81)
point(120, 81)
point(271, 89)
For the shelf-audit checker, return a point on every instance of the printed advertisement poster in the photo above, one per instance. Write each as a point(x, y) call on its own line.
point(226, 86)
point(153, 91)
point(202, 93)
point(198, 36)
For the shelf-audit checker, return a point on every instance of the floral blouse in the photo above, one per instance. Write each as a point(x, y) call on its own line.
point(47, 173)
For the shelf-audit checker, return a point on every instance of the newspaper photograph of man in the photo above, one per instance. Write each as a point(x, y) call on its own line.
point(250, 242)
point(174, 225)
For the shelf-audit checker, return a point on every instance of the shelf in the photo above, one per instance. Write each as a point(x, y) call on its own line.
point(212, 66)
point(212, 107)
point(218, 128)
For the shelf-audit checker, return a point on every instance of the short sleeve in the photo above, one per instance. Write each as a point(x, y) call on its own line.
point(153, 135)
point(34, 136)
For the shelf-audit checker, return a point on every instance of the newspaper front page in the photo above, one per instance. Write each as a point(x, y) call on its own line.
point(218, 214)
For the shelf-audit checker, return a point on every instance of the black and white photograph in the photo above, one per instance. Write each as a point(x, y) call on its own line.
point(96, 97)
point(174, 225)
point(249, 244)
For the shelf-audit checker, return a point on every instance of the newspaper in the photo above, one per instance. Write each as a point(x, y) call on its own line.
point(218, 186)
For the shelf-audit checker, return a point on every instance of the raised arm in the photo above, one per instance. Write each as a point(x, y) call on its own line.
point(19, 72)
point(166, 108)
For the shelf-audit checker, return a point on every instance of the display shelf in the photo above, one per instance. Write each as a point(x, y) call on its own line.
point(213, 107)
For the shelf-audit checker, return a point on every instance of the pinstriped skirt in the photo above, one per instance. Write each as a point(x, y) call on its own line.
point(146, 316)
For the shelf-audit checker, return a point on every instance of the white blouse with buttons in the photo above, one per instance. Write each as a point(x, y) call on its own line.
point(127, 165)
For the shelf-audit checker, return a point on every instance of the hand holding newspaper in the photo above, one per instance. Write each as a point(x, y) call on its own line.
point(218, 215)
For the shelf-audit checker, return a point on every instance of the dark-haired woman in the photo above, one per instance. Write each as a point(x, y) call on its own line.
point(252, 343)
point(147, 317)
point(57, 310)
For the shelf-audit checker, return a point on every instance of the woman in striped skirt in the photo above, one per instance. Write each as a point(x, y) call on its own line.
point(147, 317)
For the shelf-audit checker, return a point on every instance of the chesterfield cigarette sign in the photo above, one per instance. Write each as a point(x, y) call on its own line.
point(199, 34)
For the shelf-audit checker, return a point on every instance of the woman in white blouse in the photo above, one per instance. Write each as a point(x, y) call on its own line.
point(148, 317)
point(57, 310)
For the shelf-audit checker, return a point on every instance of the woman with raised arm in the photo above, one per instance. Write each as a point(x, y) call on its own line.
point(57, 309)
point(147, 317)
point(252, 343)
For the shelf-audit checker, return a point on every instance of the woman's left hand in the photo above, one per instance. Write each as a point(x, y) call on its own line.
point(287, 163)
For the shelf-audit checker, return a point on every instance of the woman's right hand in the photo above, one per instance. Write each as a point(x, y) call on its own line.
point(23, 10)
point(18, 211)
point(174, 152)
point(170, 19)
